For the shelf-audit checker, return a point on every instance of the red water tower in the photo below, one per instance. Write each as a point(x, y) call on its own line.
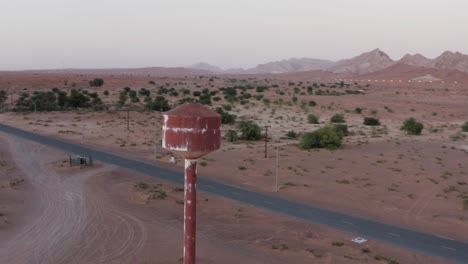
point(191, 131)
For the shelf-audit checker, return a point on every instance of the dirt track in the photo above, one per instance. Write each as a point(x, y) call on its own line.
point(67, 226)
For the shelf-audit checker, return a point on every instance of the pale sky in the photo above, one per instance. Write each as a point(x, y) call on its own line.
point(45, 34)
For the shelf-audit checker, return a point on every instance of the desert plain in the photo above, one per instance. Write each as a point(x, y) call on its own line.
point(53, 213)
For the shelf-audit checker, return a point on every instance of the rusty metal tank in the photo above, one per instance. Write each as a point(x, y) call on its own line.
point(191, 130)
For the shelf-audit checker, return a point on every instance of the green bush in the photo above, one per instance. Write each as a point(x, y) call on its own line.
point(337, 118)
point(231, 136)
point(325, 137)
point(465, 127)
point(226, 118)
point(342, 128)
point(412, 127)
point(97, 82)
point(312, 103)
point(312, 119)
point(249, 130)
point(370, 121)
point(358, 110)
point(291, 134)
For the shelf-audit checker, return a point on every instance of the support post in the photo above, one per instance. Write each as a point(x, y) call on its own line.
point(190, 210)
point(266, 140)
point(276, 180)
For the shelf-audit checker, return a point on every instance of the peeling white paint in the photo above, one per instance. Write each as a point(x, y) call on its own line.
point(179, 129)
point(182, 148)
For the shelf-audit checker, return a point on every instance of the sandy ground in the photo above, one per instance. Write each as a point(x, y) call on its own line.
point(98, 215)
point(380, 173)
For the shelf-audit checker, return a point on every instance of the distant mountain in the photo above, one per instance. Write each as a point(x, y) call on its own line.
point(451, 61)
point(205, 67)
point(150, 71)
point(416, 60)
point(291, 65)
point(365, 63)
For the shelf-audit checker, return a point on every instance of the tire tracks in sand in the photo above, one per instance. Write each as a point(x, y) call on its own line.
point(69, 224)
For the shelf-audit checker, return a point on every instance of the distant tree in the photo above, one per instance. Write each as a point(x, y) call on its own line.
point(160, 104)
point(312, 119)
point(291, 134)
point(144, 92)
point(465, 127)
point(97, 82)
point(43, 101)
point(3, 97)
point(412, 127)
point(231, 136)
point(62, 100)
point(205, 99)
point(341, 128)
point(337, 118)
point(226, 118)
point(122, 99)
point(370, 121)
point(249, 130)
point(325, 137)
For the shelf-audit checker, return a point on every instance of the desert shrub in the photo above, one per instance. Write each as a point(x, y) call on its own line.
point(141, 185)
point(205, 99)
point(312, 119)
point(249, 130)
point(341, 128)
point(106, 92)
point(144, 92)
point(370, 121)
point(186, 100)
point(358, 110)
point(226, 118)
point(325, 137)
point(337, 244)
point(291, 134)
point(337, 118)
point(159, 104)
point(465, 127)
point(458, 136)
point(231, 136)
point(196, 93)
point(312, 103)
point(97, 82)
point(412, 127)
point(227, 107)
point(3, 96)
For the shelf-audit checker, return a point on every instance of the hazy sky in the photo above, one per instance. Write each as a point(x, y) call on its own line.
point(38, 34)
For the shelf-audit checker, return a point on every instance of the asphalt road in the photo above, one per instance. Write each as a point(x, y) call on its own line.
point(423, 242)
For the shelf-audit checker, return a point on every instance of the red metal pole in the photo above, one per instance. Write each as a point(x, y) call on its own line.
point(190, 210)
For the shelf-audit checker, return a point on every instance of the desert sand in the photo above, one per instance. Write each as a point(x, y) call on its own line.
point(379, 173)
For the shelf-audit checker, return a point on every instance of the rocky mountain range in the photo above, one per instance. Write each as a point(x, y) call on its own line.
point(366, 63)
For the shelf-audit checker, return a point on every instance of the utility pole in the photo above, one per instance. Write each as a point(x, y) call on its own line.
point(128, 120)
point(266, 139)
point(277, 155)
point(128, 125)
